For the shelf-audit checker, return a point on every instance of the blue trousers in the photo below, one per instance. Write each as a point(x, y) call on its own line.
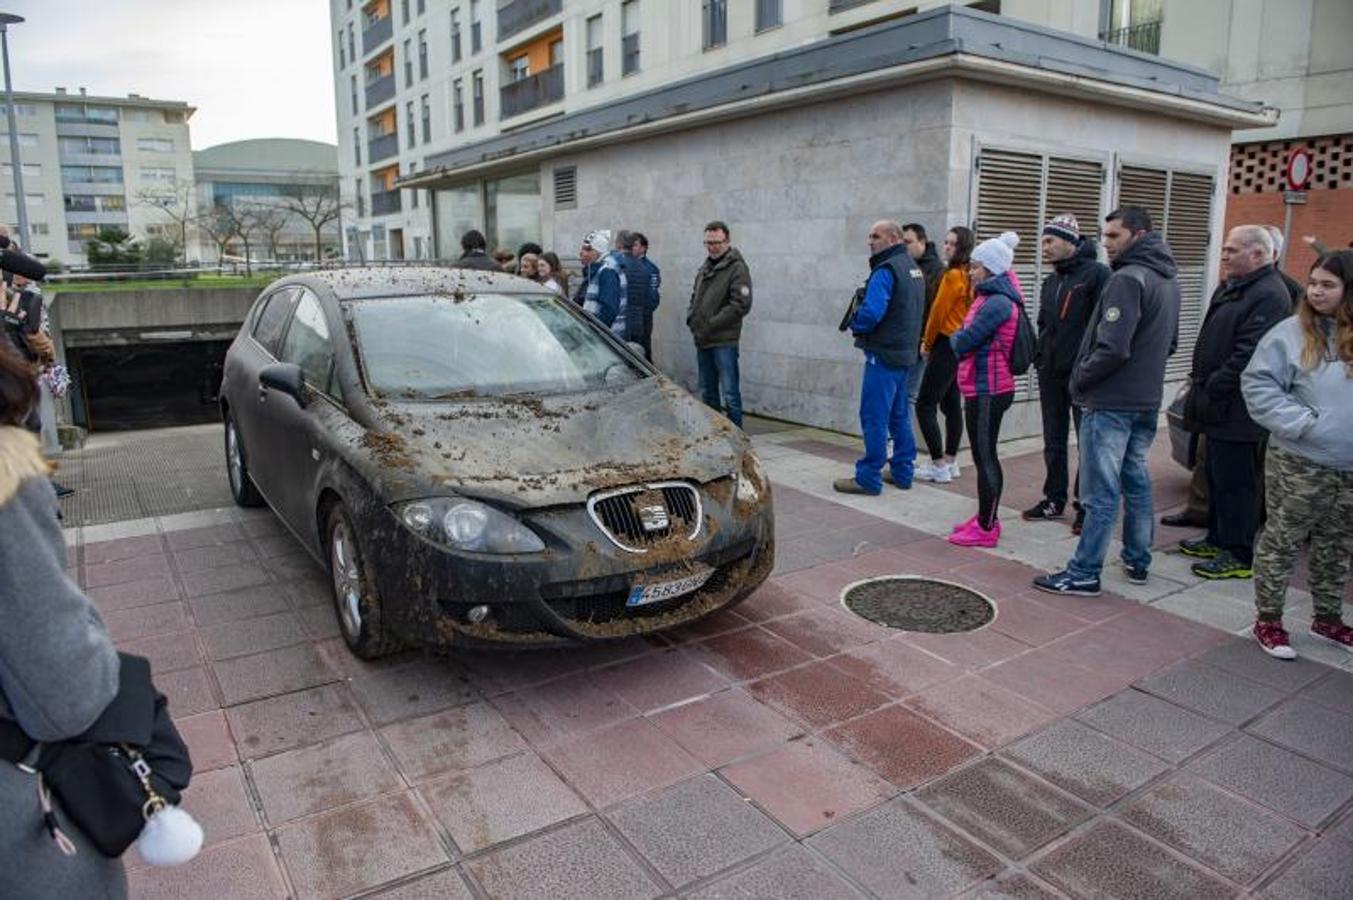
point(885, 411)
point(718, 369)
point(1113, 470)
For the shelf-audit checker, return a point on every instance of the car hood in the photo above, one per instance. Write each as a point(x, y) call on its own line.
point(535, 451)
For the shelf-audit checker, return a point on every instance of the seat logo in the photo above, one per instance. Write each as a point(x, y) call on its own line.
point(654, 518)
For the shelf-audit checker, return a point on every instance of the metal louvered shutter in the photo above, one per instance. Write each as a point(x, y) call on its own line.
point(566, 187)
point(1188, 228)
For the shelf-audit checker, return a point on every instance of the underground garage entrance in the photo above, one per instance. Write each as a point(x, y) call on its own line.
point(150, 384)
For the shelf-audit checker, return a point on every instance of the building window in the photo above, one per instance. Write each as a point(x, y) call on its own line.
point(413, 194)
point(83, 232)
point(411, 126)
point(476, 27)
point(458, 103)
point(629, 43)
point(357, 146)
point(408, 63)
point(354, 95)
point(25, 140)
point(352, 44)
point(89, 146)
point(25, 109)
point(38, 229)
point(32, 199)
point(92, 174)
point(342, 51)
point(455, 35)
point(422, 6)
point(478, 88)
point(422, 55)
point(30, 170)
point(769, 14)
point(361, 198)
point(156, 175)
point(556, 52)
point(155, 145)
point(595, 70)
point(519, 68)
point(425, 113)
point(404, 12)
point(714, 24)
point(104, 114)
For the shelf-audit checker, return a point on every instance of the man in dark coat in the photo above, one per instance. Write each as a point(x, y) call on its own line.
point(1250, 301)
point(923, 253)
point(1068, 297)
point(648, 271)
point(720, 298)
point(475, 253)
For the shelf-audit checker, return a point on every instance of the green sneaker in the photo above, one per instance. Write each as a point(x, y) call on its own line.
point(1224, 565)
point(1199, 548)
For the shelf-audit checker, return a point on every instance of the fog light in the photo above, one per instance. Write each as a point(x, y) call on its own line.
point(477, 614)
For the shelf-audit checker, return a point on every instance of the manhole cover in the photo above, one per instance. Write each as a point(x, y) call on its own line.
point(919, 604)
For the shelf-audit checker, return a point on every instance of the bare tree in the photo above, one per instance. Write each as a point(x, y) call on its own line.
point(270, 220)
point(177, 203)
point(319, 206)
point(221, 225)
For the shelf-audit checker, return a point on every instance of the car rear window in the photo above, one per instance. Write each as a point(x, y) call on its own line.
point(483, 345)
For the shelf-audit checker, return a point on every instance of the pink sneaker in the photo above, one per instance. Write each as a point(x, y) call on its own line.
point(977, 536)
point(963, 526)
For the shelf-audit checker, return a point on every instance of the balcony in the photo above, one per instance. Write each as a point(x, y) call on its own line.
point(379, 90)
point(383, 147)
point(520, 15)
point(532, 92)
point(1144, 37)
point(377, 33)
point(384, 202)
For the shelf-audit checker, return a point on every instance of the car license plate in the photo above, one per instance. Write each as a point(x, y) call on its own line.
point(643, 594)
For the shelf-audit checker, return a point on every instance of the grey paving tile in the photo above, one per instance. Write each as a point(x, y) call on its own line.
point(448, 884)
point(1223, 832)
point(1323, 873)
point(581, 860)
point(1344, 830)
point(1217, 693)
point(1003, 807)
point(1011, 887)
point(695, 829)
point(1084, 762)
point(275, 672)
point(791, 874)
point(425, 685)
point(898, 851)
point(1243, 656)
point(310, 779)
point(1317, 731)
point(1277, 778)
point(292, 720)
point(250, 636)
point(1335, 690)
point(1112, 861)
point(1153, 725)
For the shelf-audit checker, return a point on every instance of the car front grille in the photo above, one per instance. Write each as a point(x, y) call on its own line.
point(635, 518)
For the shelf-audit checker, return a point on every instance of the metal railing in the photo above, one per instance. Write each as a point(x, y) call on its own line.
point(380, 90)
point(1144, 37)
point(377, 33)
point(383, 147)
point(384, 202)
point(532, 92)
point(520, 15)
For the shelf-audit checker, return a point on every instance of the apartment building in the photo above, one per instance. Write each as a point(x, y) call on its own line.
point(89, 162)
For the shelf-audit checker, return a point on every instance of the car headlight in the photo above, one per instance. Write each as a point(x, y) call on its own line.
point(467, 525)
point(751, 479)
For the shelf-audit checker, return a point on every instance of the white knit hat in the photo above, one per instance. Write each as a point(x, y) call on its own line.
point(599, 240)
point(997, 254)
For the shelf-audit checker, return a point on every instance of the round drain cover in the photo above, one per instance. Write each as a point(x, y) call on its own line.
point(919, 604)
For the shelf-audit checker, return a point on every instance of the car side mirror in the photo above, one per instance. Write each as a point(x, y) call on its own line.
point(284, 377)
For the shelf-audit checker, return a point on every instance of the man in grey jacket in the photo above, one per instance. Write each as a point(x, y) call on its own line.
point(720, 299)
point(1119, 380)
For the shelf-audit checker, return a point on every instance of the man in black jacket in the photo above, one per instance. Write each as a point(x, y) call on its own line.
point(1068, 297)
point(922, 252)
point(1244, 307)
point(1119, 382)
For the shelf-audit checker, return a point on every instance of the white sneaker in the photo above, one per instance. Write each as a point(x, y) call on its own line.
point(939, 474)
point(953, 469)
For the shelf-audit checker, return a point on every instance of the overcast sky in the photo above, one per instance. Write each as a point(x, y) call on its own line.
point(253, 68)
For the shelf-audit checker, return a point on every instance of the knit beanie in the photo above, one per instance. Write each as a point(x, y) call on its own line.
point(997, 254)
point(599, 240)
point(1065, 227)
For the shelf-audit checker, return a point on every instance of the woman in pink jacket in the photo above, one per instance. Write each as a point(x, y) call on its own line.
point(983, 347)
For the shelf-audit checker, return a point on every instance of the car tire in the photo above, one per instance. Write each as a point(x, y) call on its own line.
point(242, 487)
point(356, 603)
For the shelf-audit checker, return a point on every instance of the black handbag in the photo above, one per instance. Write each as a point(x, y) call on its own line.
point(126, 767)
point(852, 308)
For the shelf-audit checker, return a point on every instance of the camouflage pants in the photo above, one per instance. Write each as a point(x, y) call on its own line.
point(1304, 499)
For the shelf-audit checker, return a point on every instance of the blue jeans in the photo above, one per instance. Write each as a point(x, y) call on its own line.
point(885, 411)
point(719, 375)
point(915, 379)
point(1113, 448)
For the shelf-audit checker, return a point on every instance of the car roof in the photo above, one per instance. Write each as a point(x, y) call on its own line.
point(372, 282)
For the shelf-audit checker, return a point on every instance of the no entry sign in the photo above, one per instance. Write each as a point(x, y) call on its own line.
point(1298, 169)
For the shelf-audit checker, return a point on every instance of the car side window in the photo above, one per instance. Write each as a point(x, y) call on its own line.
point(272, 319)
point(307, 342)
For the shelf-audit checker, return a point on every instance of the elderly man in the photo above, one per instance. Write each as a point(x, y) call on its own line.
point(1294, 287)
point(887, 327)
point(1250, 301)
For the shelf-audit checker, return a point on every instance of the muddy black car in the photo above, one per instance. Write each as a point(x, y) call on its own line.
point(475, 460)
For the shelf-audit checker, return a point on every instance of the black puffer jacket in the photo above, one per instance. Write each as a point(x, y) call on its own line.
point(1068, 298)
point(1241, 312)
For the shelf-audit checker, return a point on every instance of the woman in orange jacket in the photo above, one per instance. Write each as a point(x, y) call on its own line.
point(939, 384)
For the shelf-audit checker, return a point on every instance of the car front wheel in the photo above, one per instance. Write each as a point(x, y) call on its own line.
point(355, 601)
point(242, 487)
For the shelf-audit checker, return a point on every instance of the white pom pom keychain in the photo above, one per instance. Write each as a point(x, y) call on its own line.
point(171, 837)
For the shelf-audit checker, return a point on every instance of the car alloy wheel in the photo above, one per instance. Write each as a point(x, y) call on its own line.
point(347, 580)
point(234, 462)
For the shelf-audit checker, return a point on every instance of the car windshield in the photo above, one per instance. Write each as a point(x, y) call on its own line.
point(439, 347)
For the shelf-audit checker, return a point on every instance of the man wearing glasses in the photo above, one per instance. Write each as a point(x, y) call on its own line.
point(721, 297)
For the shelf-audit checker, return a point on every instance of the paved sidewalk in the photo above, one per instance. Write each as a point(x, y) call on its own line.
point(1101, 747)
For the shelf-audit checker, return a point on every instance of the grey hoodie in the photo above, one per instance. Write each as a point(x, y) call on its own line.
point(1307, 413)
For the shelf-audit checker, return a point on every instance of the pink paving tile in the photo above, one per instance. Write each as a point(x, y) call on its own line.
point(751, 653)
point(725, 727)
point(500, 801)
point(292, 565)
point(969, 650)
point(895, 668)
point(1025, 619)
point(822, 584)
point(817, 694)
point(189, 691)
point(159, 589)
point(559, 709)
point(209, 536)
point(459, 738)
point(275, 672)
point(901, 746)
point(806, 785)
point(876, 563)
point(660, 679)
point(1053, 683)
point(774, 599)
point(146, 621)
point(200, 558)
point(827, 631)
point(448, 884)
point(241, 870)
point(224, 578)
point(1091, 609)
point(322, 776)
point(233, 606)
point(220, 803)
point(938, 555)
point(209, 741)
point(271, 546)
point(355, 848)
point(280, 723)
point(122, 548)
point(318, 622)
point(982, 712)
point(251, 636)
point(125, 570)
point(496, 672)
point(1167, 632)
point(166, 652)
point(631, 758)
point(720, 622)
point(996, 576)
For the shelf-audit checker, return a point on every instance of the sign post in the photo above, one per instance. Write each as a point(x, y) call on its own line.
point(1298, 179)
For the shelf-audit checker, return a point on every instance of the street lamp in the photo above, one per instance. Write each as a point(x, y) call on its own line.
point(6, 20)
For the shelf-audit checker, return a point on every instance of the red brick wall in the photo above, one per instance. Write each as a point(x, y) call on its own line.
point(1327, 214)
